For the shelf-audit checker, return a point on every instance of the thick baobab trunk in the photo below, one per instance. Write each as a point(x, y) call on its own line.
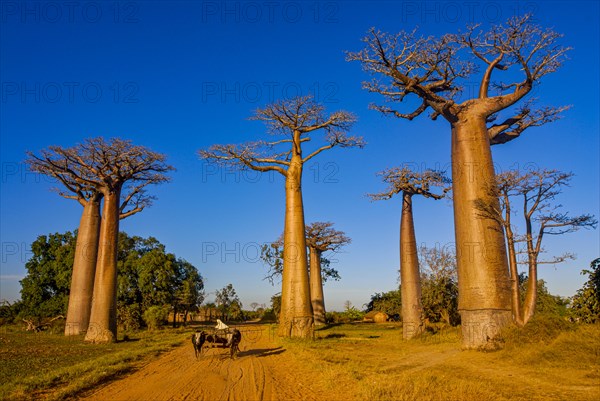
point(84, 269)
point(483, 281)
point(296, 316)
point(316, 287)
point(410, 281)
point(103, 318)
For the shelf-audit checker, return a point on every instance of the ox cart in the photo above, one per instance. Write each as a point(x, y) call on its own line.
point(219, 337)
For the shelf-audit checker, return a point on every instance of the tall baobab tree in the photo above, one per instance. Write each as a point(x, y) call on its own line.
point(535, 191)
point(432, 69)
point(103, 168)
point(321, 237)
point(408, 183)
point(55, 163)
point(52, 163)
point(295, 120)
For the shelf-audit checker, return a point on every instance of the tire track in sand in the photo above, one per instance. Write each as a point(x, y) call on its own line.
point(261, 372)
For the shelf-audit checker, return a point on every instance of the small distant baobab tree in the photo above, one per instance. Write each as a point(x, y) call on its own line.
point(57, 162)
point(272, 256)
point(535, 190)
point(106, 168)
point(296, 120)
point(408, 183)
point(434, 69)
point(321, 237)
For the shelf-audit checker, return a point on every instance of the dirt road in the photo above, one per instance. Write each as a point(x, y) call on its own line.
point(261, 371)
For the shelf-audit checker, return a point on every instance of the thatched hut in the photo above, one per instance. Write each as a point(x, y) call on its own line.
point(375, 317)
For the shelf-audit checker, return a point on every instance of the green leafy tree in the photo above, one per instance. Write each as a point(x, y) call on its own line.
point(155, 316)
point(147, 276)
point(439, 285)
point(9, 311)
point(388, 302)
point(585, 306)
point(190, 289)
point(276, 305)
point(45, 289)
point(228, 302)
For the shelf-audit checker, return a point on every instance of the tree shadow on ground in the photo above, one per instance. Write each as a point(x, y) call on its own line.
point(333, 335)
point(128, 340)
point(261, 352)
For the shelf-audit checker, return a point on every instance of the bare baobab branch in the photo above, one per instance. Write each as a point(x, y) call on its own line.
point(512, 127)
point(247, 156)
point(537, 190)
point(323, 237)
point(405, 180)
point(137, 200)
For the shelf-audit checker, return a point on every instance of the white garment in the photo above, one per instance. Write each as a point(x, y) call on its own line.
point(220, 325)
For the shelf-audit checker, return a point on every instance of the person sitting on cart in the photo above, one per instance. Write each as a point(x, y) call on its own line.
point(221, 327)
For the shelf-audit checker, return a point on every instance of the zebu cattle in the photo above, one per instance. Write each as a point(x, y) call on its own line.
point(198, 340)
point(229, 340)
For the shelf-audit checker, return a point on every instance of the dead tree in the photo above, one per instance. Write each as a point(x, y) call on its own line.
point(320, 238)
point(32, 325)
point(295, 120)
point(535, 190)
point(408, 183)
point(434, 70)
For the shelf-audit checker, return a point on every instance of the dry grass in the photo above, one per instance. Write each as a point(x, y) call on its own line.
point(549, 359)
point(372, 362)
point(51, 366)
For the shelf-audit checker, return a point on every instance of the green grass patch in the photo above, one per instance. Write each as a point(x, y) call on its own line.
point(52, 366)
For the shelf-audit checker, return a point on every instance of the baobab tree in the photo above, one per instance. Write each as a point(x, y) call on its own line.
point(535, 190)
point(106, 168)
point(434, 69)
point(52, 163)
point(295, 120)
point(321, 237)
point(55, 163)
point(408, 183)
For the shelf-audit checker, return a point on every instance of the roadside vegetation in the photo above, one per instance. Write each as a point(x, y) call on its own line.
point(49, 365)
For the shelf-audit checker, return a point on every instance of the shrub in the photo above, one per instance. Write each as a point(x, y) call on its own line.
point(130, 316)
point(155, 316)
point(586, 303)
point(542, 328)
point(388, 302)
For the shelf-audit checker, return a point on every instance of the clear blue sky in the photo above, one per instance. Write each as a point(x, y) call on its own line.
point(180, 76)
